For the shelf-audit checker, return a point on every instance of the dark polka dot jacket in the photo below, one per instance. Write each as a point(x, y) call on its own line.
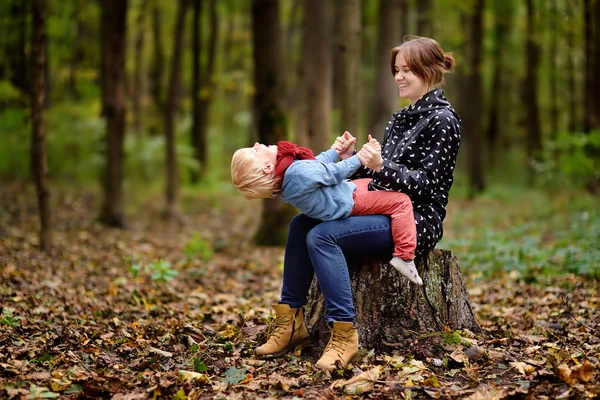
point(419, 151)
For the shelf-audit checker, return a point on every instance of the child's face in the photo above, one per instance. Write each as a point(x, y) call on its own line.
point(266, 153)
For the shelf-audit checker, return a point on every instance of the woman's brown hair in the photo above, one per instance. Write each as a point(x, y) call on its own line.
point(425, 58)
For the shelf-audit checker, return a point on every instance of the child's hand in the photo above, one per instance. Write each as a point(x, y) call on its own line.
point(344, 145)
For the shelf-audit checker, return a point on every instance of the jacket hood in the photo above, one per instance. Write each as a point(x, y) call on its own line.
point(432, 100)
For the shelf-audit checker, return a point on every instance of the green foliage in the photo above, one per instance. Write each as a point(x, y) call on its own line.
point(161, 271)
point(234, 375)
point(197, 247)
point(572, 160)
point(40, 392)
point(454, 338)
point(199, 365)
point(6, 318)
point(553, 239)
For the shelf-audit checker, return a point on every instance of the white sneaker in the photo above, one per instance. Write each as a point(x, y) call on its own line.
point(407, 269)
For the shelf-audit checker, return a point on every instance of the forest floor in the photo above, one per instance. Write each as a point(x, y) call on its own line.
point(153, 312)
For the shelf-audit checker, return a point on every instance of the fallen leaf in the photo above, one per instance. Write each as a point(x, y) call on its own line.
point(583, 372)
point(190, 376)
point(523, 368)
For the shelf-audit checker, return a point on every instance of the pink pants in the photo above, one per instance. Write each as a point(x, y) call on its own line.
point(398, 206)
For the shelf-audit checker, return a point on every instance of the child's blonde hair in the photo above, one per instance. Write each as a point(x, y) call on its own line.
point(249, 178)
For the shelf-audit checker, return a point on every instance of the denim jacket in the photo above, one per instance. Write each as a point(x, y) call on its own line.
point(320, 188)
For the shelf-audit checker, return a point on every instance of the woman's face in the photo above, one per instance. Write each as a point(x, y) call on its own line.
point(410, 85)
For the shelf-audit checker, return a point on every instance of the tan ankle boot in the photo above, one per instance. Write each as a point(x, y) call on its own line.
point(288, 331)
point(342, 346)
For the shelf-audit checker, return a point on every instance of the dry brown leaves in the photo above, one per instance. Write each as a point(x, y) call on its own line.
point(76, 323)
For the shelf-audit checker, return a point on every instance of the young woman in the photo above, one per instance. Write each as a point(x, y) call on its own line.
point(417, 158)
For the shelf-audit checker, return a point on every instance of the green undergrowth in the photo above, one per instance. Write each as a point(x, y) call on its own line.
point(532, 233)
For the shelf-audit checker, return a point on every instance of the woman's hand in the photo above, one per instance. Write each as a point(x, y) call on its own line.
point(344, 145)
point(370, 155)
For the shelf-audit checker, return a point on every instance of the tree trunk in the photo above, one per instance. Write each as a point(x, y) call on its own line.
point(157, 70)
point(202, 84)
point(138, 67)
point(554, 68)
point(595, 66)
point(170, 134)
point(38, 141)
point(389, 35)
point(388, 307)
point(503, 21)
point(424, 26)
point(348, 60)
point(269, 119)
point(473, 106)
point(18, 60)
point(76, 54)
point(530, 89)
point(114, 30)
point(317, 74)
point(572, 90)
point(592, 81)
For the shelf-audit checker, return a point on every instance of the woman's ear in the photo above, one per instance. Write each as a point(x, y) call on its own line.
point(268, 169)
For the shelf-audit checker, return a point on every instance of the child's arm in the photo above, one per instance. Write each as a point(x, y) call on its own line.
point(314, 174)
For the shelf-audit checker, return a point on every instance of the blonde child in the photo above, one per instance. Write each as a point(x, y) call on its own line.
point(319, 188)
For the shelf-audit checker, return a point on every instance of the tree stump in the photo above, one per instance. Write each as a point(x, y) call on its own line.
point(388, 307)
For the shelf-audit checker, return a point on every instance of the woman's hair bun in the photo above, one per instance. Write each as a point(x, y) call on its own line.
point(449, 61)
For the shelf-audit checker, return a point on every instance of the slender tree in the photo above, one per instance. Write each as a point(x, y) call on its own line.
point(389, 35)
point(472, 108)
point(138, 62)
point(595, 66)
point(114, 31)
point(553, 76)
point(347, 57)
point(38, 140)
point(76, 53)
point(530, 89)
point(202, 82)
point(424, 25)
point(17, 40)
point(157, 70)
point(174, 79)
point(503, 22)
point(591, 36)
point(269, 118)
point(316, 81)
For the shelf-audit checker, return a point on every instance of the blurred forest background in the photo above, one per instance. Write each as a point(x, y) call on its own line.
point(139, 98)
point(129, 263)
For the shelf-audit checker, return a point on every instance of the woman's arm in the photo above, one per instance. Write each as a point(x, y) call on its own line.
point(438, 158)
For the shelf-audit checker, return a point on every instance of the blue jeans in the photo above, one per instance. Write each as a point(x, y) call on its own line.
point(320, 247)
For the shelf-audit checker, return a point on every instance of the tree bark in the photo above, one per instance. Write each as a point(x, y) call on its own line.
point(503, 13)
point(473, 108)
point(530, 90)
point(592, 81)
point(77, 54)
point(114, 31)
point(554, 68)
point(19, 60)
point(348, 60)
point(269, 119)
point(157, 71)
point(170, 134)
point(317, 74)
point(138, 67)
point(389, 35)
point(388, 307)
point(202, 84)
point(424, 25)
point(38, 140)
